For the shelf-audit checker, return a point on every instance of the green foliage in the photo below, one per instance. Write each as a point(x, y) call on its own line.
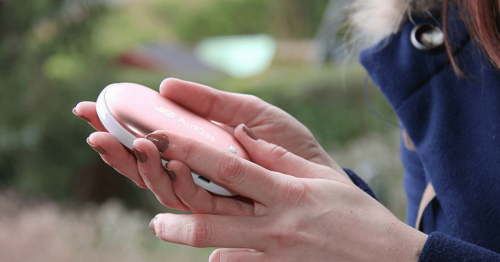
point(280, 18)
point(221, 17)
point(55, 53)
point(42, 51)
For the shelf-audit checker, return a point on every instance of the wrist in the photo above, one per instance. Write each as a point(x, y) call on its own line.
point(406, 244)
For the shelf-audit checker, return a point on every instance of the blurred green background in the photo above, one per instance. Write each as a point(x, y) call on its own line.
point(60, 202)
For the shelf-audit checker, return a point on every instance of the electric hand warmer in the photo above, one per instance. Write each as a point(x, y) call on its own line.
point(130, 111)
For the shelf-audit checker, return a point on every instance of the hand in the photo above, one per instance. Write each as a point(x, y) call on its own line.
point(267, 122)
point(301, 211)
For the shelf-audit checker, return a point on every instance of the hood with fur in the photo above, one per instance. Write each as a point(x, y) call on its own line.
point(375, 19)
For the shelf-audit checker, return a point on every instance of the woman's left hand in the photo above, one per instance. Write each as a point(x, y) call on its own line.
point(298, 210)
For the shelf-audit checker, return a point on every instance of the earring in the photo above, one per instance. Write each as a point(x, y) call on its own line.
point(425, 37)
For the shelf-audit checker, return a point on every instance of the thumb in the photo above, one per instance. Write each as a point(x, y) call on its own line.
point(276, 158)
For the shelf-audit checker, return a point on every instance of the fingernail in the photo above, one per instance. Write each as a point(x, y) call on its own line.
point(171, 173)
point(76, 114)
point(141, 156)
point(99, 149)
point(152, 225)
point(161, 141)
point(249, 132)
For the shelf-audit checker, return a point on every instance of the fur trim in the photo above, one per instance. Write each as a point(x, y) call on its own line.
point(373, 20)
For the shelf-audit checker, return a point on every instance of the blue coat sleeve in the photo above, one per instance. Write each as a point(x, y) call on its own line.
point(441, 247)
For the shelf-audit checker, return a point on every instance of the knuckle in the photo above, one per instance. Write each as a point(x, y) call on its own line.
point(294, 193)
point(198, 233)
point(272, 153)
point(166, 202)
point(284, 235)
point(229, 169)
point(277, 151)
point(188, 150)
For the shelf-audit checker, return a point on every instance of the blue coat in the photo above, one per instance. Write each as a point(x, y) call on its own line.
point(454, 124)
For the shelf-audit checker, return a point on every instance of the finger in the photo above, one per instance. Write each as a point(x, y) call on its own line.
point(87, 112)
point(200, 200)
point(276, 158)
point(236, 255)
point(224, 168)
point(154, 174)
point(227, 108)
point(115, 155)
point(211, 230)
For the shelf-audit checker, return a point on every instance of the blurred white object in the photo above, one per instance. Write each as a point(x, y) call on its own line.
point(238, 56)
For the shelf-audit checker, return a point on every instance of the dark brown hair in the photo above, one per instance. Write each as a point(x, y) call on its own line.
point(482, 19)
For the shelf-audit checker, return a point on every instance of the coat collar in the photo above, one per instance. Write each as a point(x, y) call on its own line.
point(399, 69)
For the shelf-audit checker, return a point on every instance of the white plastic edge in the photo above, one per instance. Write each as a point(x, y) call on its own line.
point(127, 139)
point(110, 123)
point(210, 186)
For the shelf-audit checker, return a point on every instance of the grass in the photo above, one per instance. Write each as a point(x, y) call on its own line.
point(43, 231)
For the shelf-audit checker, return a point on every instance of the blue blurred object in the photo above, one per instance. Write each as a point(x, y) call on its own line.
point(239, 56)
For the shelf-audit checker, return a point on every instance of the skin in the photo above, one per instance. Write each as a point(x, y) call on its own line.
point(295, 203)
